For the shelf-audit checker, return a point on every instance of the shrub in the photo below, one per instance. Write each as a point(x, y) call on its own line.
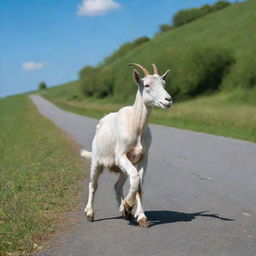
point(42, 86)
point(220, 5)
point(243, 74)
point(84, 71)
point(125, 48)
point(89, 82)
point(99, 82)
point(204, 71)
point(184, 16)
point(164, 28)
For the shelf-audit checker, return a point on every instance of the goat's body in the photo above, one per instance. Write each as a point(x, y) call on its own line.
point(103, 145)
point(106, 139)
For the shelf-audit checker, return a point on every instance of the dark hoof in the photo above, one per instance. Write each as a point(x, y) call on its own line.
point(127, 212)
point(90, 217)
point(143, 223)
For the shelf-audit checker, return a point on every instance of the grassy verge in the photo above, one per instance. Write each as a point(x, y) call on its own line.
point(231, 114)
point(39, 175)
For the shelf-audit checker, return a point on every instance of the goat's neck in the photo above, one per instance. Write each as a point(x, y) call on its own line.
point(141, 114)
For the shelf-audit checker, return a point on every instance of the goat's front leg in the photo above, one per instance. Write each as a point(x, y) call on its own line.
point(139, 213)
point(124, 163)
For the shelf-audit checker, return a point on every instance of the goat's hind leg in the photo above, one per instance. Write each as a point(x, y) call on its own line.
point(96, 170)
point(124, 208)
point(119, 189)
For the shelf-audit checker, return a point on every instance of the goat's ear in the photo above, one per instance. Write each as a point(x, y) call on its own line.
point(164, 76)
point(136, 77)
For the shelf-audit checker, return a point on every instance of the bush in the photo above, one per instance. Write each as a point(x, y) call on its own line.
point(184, 16)
point(84, 71)
point(99, 83)
point(42, 86)
point(243, 74)
point(220, 5)
point(89, 82)
point(125, 48)
point(164, 28)
point(204, 71)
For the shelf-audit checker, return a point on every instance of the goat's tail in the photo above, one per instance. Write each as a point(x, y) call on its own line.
point(86, 154)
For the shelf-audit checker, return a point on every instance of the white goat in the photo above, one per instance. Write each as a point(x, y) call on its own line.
point(122, 141)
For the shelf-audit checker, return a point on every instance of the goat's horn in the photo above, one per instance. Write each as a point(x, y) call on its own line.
point(139, 66)
point(155, 69)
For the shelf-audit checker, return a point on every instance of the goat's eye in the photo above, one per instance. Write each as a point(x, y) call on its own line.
point(147, 85)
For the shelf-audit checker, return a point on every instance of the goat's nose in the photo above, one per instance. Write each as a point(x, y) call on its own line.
point(168, 98)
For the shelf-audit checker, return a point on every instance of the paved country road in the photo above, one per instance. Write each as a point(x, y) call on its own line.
point(199, 195)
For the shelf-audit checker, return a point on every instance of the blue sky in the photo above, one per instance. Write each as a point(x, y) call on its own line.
point(50, 40)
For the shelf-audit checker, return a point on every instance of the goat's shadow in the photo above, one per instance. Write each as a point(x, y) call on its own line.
point(165, 217)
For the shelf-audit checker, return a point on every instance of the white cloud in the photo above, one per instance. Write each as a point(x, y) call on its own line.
point(30, 65)
point(96, 7)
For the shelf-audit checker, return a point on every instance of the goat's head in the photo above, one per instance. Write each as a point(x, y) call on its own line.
point(151, 87)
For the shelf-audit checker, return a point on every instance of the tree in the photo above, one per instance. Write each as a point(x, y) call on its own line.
point(164, 28)
point(42, 86)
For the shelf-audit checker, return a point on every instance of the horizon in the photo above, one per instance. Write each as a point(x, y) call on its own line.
point(44, 41)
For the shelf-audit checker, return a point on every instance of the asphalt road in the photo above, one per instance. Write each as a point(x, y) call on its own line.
point(199, 195)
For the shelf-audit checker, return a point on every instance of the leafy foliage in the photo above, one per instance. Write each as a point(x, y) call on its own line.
point(204, 70)
point(99, 81)
point(125, 48)
point(184, 16)
point(42, 86)
point(164, 28)
point(244, 73)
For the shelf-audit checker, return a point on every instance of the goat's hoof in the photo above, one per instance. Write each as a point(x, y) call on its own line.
point(127, 211)
point(143, 223)
point(90, 217)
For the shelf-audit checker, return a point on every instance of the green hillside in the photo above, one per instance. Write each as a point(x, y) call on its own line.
point(231, 30)
point(212, 55)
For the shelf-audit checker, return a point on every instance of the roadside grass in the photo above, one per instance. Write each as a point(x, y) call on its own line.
point(230, 114)
point(40, 176)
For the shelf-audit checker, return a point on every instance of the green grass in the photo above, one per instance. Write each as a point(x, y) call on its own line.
point(40, 175)
point(231, 114)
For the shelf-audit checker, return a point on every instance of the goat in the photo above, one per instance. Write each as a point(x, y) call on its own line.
point(122, 141)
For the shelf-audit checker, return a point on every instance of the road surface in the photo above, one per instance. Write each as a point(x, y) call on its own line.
point(199, 195)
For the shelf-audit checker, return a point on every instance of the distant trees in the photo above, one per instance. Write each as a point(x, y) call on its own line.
point(243, 75)
point(84, 71)
point(205, 69)
point(42, 86)
point(125, 48)
point(184, 16)
point(99, 81)
point(164, 28)
point(187, 15)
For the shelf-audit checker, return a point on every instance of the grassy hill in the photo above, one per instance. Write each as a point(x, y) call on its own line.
point(219, 45)
point(232, 29)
